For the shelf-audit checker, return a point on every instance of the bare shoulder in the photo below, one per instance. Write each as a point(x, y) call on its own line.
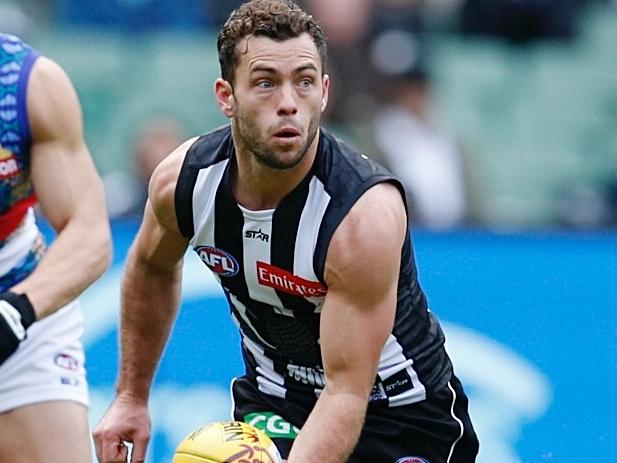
point(368, 241)
point(53, 107)
point(377, 220)
point(162, 187)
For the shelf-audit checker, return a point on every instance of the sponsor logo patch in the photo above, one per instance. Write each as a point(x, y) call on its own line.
point(273, 425)
point(69, 381)
point(257, 234)
point(412, 460)
point(306, 375)
point(5, 154)
point(8, 164)
point(378, 392)
point(66, 361)
point(219, 261)
point(282, 280)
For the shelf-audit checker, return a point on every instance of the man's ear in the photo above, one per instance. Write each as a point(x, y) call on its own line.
point(326, 89)
point(224, 94)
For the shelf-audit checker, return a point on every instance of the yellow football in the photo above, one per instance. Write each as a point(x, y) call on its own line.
point(227, 442)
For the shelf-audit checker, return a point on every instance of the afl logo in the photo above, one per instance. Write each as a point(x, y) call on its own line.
point(412, 460)
point(219, 261)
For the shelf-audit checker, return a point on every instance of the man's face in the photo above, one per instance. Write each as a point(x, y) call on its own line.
point(278, 96)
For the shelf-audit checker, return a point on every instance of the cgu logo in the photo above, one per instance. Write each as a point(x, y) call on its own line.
point(273, 425)
point(219, 261)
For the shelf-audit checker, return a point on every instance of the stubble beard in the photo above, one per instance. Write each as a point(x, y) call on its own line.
point(265, 153)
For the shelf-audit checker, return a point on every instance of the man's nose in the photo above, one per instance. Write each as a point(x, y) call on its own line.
point(287, 103)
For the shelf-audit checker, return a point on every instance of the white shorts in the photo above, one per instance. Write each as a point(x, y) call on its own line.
point(49, 364)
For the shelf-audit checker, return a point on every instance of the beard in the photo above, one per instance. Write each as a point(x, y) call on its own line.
point(267, 154)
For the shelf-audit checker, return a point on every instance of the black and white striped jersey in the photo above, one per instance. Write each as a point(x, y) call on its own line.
point(270, 264)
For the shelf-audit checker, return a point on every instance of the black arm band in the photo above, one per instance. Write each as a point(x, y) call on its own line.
point(22, 303)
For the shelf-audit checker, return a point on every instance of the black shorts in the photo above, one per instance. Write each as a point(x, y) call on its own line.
point(435, 430)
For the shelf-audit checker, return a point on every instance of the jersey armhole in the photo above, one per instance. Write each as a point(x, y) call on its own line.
point(183, 197)
point(335, 217)
point(22, 94)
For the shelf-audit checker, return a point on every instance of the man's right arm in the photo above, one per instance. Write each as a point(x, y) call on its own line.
point(150, 300)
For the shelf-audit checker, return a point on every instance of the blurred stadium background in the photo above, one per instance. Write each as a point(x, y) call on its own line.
point(521, 110)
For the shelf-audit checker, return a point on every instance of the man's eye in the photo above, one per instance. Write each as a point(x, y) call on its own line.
point(264, 84)
point(306, 82)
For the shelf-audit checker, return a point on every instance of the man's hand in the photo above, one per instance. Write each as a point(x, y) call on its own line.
point(127, 420)
point(16, 315)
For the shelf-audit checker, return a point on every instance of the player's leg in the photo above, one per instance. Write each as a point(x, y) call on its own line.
point(50, 432)
point(44, 394)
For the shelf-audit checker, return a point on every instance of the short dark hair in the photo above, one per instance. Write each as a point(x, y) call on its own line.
point(275, 19)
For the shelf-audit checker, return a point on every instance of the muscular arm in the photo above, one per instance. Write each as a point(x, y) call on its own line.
point(150, 299)
point(362, 269)
point(151, 283)
point(69, 191)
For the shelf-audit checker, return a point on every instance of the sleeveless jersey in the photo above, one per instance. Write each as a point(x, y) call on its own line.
point(21, 244)
point(270, 264)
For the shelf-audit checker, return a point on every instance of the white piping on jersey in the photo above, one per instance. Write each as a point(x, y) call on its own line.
point(260, 215)
point(18, 244)
point(460, 423)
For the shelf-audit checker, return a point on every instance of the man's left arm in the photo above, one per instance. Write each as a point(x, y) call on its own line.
point(361, 272)
point(69, 191)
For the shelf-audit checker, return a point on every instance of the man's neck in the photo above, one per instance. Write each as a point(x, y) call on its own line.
point(258, 187)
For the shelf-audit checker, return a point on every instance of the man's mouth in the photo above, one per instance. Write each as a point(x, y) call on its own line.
point(287, 132)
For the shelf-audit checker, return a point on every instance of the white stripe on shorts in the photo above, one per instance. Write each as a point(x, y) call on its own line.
point(460, 423)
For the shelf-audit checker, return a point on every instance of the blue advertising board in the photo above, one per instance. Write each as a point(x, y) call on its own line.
point(530, 320)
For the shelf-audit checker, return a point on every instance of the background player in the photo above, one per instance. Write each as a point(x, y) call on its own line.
point(43, 156)
point(309, 240)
